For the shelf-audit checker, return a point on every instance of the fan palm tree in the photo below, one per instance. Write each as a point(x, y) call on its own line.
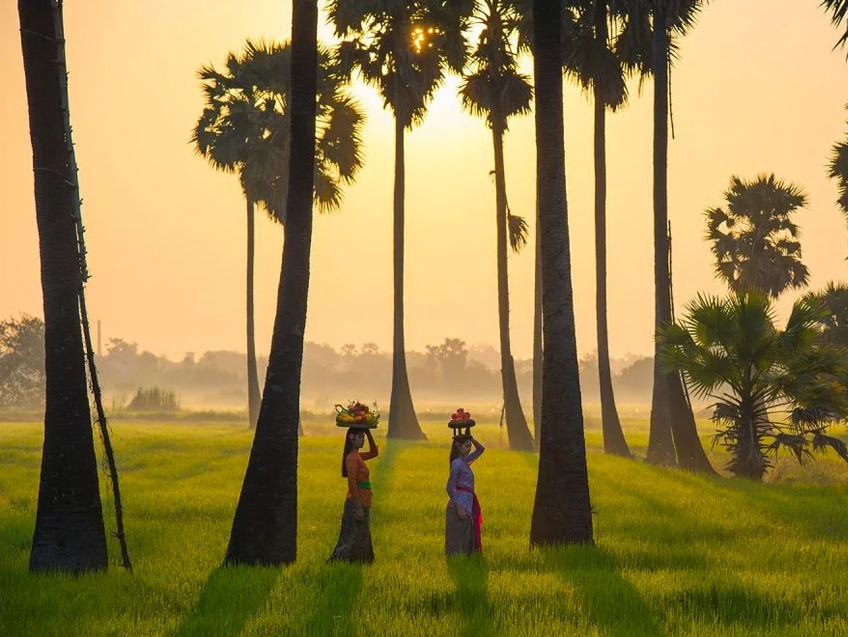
point(69, 533)
point(562, 511)
point(834, 323)
point(493, 88)
point(403, 48)
point(838, 170)
point(839, 9)
point(265, 523)
point(754, 240)
point(729, 350)
point(244, 129)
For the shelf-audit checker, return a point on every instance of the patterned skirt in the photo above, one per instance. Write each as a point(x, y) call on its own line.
point(354, 543)
point(460, 535)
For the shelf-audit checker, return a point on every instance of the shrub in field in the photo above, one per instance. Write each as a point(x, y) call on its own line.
point(154, 399)
point(22, 362)
point(729, 350)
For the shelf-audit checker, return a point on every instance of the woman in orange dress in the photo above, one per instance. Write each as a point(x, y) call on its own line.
point(354, 543)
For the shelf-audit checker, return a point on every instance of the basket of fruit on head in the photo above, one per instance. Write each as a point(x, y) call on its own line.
point(461, 419)
point(357, 415)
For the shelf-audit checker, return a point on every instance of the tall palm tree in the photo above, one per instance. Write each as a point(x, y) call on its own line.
point(493, 89)
point(244, 130)
point(562, 511)
point(403, 48)
point(839, 9)
point(590, 58)
point(834, 323)
point(69, 533)
point(265, 524)
point(754, 240)
point(673, 433)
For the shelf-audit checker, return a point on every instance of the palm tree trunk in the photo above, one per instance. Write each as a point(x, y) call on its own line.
point(614, 442)
point(253, 396)
point(265, 524)
point(562, 512)
point(673, 433)
point(69, 533)
point(516, 424)
point(660, 443)
point(537, 338)
point(403, 423)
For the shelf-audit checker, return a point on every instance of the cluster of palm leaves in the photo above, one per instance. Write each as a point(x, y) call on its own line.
point(730, 351)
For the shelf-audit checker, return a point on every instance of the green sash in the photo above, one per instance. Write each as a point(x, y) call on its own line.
point(364, 485)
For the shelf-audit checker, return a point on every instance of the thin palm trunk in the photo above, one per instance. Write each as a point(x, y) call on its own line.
point(562, 511)
point(673, 436)
point(253, 396)
point(614, 441)
point(537, 337)
point(265, 524)
point(660, 443)
point(69, 533)
point(516, 424)
point(403, 423)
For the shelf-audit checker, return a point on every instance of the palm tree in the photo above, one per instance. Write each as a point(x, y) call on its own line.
point(493, 88)
point(403, 48)
point(673, 432)
point(591, 60)
point(562, 511)
point(265, 524)
point(729, 350)
point(244, 129)
point(839, 9)
point(754, 240)
point(834, 323)
point(69, 533)
point(838, 170)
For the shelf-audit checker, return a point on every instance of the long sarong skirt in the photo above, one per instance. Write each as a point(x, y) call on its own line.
point(354, 543)
point(460, 536)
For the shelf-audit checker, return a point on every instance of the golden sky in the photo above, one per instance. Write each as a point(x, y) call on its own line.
point(757, 89)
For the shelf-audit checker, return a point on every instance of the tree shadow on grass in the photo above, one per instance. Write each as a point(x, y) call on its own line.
point(229, 598)
point(611, 602)
point(470, 575)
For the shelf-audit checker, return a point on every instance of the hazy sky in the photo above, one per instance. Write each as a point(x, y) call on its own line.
point(757, 89)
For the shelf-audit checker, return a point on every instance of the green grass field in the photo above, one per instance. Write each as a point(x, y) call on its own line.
point(676, 554)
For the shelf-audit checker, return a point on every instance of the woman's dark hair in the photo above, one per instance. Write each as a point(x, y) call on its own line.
point(348, 447)
point(458, 440)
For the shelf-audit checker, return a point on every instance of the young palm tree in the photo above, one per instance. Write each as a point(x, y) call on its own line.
point(244, 129)
point(839, 9)
point(493, 89)
point(403, 48)
point(265, 524)
point(562, 511)
point(729, 350)
point(69, 533)
point(754, 240)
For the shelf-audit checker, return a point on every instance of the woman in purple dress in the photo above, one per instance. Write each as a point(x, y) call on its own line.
point(463, 517)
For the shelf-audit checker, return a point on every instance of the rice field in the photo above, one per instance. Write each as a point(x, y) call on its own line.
point(675, 554)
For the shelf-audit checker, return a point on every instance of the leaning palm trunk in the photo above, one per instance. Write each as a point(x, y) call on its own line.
point(516, 424)
point(614, 441)
point(403, 423)
point(562, 512)
point(265, 525)
point(673, 434)
point(253, 396)
point(69, 533)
